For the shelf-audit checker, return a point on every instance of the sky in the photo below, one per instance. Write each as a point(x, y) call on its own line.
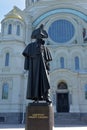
point(8, 6)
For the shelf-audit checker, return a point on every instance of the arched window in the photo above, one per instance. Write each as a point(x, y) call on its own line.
point(7, 59)
point(76, 63)
point(86, 91)
point(5, 90)
point(61, 62)
point(10, 29)
point(62, 85)
point(18, 30)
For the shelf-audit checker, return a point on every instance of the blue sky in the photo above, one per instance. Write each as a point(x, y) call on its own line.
point(7, 5)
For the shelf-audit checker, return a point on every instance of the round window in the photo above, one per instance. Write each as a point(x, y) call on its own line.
point(61, 31)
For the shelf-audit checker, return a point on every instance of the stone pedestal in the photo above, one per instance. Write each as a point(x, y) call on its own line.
point(39, 116)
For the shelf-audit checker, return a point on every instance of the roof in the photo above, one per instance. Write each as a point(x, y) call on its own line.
point(14, 14)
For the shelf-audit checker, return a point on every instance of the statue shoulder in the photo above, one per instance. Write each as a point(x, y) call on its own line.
point(30, 44)
point(27, 50)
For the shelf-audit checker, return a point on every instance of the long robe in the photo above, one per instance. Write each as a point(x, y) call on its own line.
point(37, 62)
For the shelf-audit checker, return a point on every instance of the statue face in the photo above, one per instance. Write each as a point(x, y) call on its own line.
point(40, 41)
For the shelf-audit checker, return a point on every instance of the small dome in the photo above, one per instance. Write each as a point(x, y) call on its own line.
point(14, 14)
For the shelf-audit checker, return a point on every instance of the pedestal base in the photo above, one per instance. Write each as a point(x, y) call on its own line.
point(39, 116)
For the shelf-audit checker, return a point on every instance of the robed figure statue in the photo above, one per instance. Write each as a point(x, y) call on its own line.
point(37, 58)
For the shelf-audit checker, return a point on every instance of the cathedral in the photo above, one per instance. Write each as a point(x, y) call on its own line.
point(66, 25)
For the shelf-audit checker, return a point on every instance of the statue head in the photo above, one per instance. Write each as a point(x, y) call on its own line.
point(39, 33)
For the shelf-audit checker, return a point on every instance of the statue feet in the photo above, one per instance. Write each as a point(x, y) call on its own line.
point(48, 101)
point(36, 101)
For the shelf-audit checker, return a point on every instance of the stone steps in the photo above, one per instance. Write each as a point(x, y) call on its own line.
point(67, 119)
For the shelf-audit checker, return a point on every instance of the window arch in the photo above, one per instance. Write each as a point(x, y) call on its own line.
point(18, 30)
point(76, 63)
point(5, 91)
point(86, 91)
point(62, 85)
point(10, 29)
point(61, 62)
point(7, 59)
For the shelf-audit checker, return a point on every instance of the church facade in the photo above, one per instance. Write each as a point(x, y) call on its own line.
point(66, 24)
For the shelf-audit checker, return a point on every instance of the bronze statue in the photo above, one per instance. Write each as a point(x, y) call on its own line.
point(37, 58)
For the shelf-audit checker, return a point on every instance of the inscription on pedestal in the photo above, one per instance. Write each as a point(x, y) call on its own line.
point(38, 116)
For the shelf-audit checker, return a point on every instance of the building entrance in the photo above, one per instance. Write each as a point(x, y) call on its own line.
point(62, 98)
point(62, 102)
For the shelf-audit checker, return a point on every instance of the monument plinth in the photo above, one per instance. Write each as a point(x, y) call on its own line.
point(39, 116)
